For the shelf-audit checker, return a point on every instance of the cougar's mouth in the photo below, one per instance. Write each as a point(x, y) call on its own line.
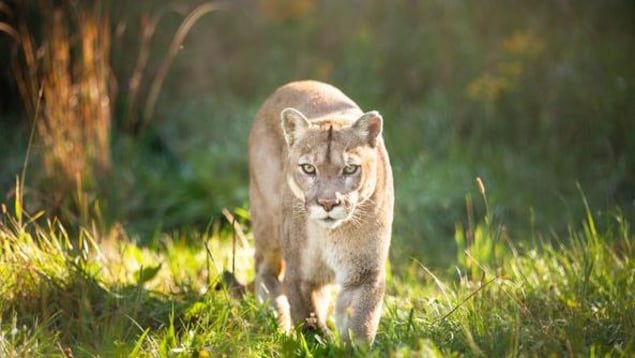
point(328, 219)
point(330, 222)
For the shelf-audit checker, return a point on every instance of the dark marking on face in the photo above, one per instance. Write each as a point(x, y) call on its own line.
point(329, 139)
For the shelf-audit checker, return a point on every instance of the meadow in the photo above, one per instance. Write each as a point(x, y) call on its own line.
point(76, 296)
point(123, 175)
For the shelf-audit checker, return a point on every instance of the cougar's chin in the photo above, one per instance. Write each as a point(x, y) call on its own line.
point(328, 219)
point(328, 223)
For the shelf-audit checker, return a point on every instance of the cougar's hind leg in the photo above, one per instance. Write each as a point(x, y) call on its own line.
point(268, 288)
point(269, 265)
point(268, 259)
point(268, 269)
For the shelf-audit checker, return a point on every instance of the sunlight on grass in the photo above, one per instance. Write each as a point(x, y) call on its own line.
point(135, 149)
point(96, 294)
point(107, 295)
point(568, 299)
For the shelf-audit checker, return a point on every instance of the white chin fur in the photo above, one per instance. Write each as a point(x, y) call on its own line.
point(326, 219)
point(331, 224)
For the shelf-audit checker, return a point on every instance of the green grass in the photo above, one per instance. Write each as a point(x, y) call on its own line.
point(105, 295)
point(532, 98)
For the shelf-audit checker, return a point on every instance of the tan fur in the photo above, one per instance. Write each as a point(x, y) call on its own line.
point(321, 195)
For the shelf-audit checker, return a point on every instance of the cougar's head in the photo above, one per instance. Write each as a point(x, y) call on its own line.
point(332, 164)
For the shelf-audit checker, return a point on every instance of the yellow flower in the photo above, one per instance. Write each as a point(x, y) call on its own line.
point(523, 43)
point(487, 87)
point(510, 69)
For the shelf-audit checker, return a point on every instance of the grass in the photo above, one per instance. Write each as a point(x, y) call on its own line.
point(64, 84)
point(499, 92)
point(91, 295)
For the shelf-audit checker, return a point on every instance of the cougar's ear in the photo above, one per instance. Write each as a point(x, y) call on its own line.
point(369, 127)
point(294, 124)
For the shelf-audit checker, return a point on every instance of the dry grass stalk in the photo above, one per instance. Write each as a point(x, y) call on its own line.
point(71, 67)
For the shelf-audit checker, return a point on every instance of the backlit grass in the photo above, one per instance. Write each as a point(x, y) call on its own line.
point(532, 98)
point(107, 296)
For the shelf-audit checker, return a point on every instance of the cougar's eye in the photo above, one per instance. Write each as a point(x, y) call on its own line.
point(308, 169)
point(350, 169)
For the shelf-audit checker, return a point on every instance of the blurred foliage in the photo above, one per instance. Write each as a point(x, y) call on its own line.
point(533, 97)
point(62, 76)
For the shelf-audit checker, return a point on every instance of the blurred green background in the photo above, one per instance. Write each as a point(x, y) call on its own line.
point(535, 98)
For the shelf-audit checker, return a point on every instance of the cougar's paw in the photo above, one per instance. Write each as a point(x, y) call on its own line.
point(231, 284)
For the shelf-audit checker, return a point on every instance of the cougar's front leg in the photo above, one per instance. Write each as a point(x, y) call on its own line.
point(300, 302)
point(358, 309)
point(321, 300)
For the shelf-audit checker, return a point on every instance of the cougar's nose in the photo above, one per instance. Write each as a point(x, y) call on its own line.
point(328, 204)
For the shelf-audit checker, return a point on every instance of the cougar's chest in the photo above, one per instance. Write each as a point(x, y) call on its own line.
point(329, 255)
point(317, 256)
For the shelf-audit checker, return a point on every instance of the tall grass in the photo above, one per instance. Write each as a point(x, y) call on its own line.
point(62, 68)
point(92, 294)
point(63, 74)
point(88, 295)
point(567, 299)
point(490, 91)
